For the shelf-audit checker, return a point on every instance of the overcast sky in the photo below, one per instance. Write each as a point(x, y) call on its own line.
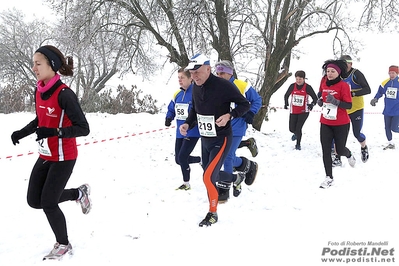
point(29, 7)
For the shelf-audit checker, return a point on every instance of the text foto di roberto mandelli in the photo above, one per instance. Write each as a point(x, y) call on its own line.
point(355, 243)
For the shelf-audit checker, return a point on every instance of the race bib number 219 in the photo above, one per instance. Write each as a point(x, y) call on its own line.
point(206, 125)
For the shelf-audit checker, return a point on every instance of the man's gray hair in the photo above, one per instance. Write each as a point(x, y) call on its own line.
point(225, 63)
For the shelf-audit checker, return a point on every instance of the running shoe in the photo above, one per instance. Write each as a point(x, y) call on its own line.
point(328, 182)
point(209, 219)
point(185, 186)
point(253, 148)
point(336, 161)
point(352, 160)
point(58, 252)
point(365, 154)
point(84, 200)
point(389, 147)
point(237, 184)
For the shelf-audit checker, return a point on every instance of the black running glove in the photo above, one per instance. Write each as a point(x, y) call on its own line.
point(168, 122)
point(45, 132)
point(310, 106)
point(373, 101)
point(16, 136)
point(320, 102)
point(331, 99)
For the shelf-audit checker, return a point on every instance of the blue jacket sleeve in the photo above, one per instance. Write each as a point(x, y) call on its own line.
point(254, 98)
point(171, 110)
point(380, 92)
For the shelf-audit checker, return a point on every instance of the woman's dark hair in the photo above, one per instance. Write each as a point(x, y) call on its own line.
point(339, 63)
point(66, 68)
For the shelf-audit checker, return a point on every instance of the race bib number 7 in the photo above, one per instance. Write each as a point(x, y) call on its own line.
point(329, 111)
point(206, 125)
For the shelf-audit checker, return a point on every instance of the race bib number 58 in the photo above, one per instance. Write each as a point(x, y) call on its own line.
point(181, 110)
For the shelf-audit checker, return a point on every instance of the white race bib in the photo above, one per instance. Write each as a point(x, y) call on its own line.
point(329, 111)
point(206, 125)
point(43, 147)
point(391, 93)
point(181, 110)
point(298, 100)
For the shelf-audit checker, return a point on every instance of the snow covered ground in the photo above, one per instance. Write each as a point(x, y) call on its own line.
point(138, 218)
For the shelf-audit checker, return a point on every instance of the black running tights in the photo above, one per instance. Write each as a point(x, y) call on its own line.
point(340, 135)
point(47, 188)
point(296, 122)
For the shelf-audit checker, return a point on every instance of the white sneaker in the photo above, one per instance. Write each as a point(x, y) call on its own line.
point(59, 251)
point(328, 182)
point(352, 160)
point(85, 201)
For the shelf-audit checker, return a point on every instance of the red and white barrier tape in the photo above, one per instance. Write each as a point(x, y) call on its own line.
point(134, 134)
point(96, 141)
point(368, 113)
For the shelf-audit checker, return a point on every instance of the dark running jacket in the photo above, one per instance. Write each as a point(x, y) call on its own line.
point(214, 97)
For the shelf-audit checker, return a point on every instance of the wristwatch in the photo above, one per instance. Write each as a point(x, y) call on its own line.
point(59, 132)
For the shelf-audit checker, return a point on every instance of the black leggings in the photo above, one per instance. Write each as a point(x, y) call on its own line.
point(340, 135)
point(183, 149)
point(296, 123)
point(46, 189)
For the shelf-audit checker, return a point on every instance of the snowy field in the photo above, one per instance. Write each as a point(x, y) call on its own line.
point(138, 218)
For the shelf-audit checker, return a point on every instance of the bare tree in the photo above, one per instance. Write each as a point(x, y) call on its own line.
point(260, 36)
point(103, 45)
point(18, 42)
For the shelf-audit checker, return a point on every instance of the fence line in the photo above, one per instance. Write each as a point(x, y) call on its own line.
point(135, 134)
point(94, 141)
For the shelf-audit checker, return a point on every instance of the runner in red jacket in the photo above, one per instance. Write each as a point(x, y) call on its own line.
point(335, 99)
point(59, 120)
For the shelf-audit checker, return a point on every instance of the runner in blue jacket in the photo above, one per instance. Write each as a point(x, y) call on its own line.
point(178, 108)
point(390, 89)
point(225, 70)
